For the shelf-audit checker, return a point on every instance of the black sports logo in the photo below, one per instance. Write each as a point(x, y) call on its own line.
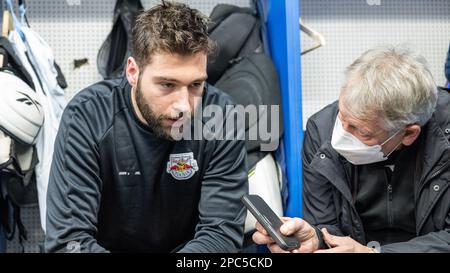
point(28, 100)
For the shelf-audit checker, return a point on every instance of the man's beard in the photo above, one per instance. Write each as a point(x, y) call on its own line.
point(154, 121)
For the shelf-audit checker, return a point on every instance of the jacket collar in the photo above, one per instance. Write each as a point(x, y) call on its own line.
point(435, 146)
point(434, 152)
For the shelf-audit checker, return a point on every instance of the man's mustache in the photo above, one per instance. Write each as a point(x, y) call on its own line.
point(181, 115)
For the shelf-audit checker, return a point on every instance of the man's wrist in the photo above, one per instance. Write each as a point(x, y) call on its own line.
point(319, 235)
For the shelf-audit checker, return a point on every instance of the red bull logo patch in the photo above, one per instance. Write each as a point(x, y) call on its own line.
point(182, 166)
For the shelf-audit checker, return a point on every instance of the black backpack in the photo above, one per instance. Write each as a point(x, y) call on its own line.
point(115, 50)
point(240, 68)
point(253, 81)
point(237, 33)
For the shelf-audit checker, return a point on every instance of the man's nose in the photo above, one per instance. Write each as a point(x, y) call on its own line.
point(181, 104)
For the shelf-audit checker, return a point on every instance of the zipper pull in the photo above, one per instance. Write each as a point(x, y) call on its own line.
point(389, 188)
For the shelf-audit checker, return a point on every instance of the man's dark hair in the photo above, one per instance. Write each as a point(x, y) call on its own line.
point(170, 27)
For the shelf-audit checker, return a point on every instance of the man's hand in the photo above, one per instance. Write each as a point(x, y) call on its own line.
point(303, 231)
point(342, 245)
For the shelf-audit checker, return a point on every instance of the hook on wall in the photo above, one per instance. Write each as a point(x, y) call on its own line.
point(316, 36)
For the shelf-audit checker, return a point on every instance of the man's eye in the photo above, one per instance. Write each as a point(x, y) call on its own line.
point(364, 135)
point(167, 85)
point(197, 85)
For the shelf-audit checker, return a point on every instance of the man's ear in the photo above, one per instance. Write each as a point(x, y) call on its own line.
point(412, 132)
point(132, 72)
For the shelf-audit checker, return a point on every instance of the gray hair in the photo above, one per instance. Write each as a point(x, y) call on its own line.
point(392, 83)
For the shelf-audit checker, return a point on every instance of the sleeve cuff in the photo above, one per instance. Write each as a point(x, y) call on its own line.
point(322, 244)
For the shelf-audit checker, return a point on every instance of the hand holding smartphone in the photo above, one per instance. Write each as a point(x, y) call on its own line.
point(270, 221)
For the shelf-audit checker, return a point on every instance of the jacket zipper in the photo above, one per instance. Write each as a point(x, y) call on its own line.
point(389, 205)
point(436, 173)
point(441, 169)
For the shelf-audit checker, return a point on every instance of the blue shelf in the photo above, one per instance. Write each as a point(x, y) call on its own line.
point(282, 26)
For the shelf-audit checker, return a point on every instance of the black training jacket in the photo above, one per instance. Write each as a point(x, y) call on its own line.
point(327, 180)
point(114, 186)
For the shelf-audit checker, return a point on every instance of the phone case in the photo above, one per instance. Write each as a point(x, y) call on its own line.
point(270, 221)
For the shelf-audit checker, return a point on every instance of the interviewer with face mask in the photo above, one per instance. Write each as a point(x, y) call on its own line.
point(376, 164)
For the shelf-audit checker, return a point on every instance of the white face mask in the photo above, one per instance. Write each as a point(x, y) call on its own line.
point(352, 149)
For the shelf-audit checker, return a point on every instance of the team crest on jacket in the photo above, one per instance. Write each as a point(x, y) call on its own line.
point(182, 166)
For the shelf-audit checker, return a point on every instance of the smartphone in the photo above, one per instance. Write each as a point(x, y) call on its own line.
point(270, 221)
